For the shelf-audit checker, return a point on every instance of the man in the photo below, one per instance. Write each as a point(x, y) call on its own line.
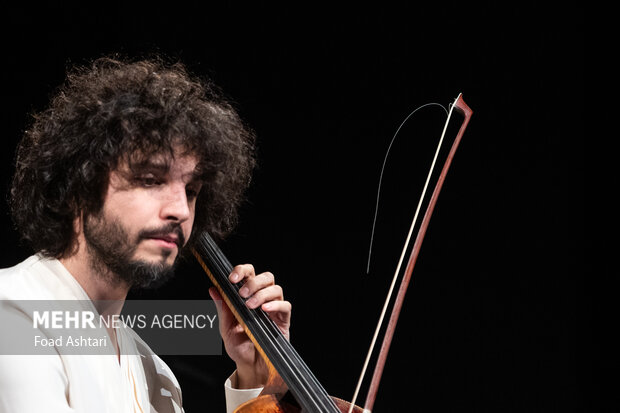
point(113, 183)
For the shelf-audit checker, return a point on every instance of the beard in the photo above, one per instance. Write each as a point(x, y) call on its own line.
point(111, 253)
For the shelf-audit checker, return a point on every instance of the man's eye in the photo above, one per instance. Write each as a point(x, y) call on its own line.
point(148, 181)
point(191, 193)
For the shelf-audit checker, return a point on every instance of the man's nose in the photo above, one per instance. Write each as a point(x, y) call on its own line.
point(176, 206)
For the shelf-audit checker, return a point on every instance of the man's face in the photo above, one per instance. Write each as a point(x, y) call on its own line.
point(147, 217)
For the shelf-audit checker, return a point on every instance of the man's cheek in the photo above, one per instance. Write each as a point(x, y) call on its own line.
point(187, 229)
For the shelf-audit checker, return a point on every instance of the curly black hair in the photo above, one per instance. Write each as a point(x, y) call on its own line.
point(112, 110)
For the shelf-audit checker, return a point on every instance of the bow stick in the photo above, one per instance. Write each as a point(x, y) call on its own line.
point(461, 107)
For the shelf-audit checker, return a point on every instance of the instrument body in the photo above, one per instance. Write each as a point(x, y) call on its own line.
point(270, 403)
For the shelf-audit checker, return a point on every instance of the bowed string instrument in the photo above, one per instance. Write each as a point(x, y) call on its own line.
point(291, 386)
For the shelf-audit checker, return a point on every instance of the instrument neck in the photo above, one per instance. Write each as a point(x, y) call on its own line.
point(275, 349)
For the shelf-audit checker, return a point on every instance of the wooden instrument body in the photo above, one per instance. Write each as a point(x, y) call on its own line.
point(270, 403)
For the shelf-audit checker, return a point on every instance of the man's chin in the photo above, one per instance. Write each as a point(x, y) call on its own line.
point(146, 275)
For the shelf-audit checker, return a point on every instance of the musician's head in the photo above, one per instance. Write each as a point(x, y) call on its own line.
point(130, 160)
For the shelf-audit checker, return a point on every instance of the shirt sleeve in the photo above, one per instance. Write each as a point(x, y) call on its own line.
point(33, 384)
point(236, 397)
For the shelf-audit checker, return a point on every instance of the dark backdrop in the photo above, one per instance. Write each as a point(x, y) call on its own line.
point(489, 322)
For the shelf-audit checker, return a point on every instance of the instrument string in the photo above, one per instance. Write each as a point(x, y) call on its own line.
point(387, 152)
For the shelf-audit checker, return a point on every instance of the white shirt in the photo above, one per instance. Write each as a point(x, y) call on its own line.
point(85, 383)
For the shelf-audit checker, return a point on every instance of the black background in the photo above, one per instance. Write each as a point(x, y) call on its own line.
point(490, 320)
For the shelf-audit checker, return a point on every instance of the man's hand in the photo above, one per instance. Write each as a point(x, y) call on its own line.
point(259, 291)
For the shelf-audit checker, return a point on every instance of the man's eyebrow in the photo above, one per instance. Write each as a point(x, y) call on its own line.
point(162, 166)
point(197, 175)
point(149, 165)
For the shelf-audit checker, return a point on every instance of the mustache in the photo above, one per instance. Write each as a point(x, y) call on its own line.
point(165, 231)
